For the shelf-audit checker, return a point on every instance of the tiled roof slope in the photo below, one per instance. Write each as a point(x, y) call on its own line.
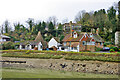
point(97, 38)
point(69, 38)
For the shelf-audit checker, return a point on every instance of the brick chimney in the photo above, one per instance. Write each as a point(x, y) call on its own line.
point(97, 31)
point(70, 28)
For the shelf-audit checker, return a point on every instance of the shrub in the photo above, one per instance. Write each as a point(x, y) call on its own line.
point(98, 49)
point(112, 50)
point(27, 52)
point(8, 45)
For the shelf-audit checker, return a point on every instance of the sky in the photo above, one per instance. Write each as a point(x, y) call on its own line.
point(20, 10)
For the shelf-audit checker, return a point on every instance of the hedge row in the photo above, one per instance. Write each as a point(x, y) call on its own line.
point(62, 53)
point(67, 57)
point(23, 55)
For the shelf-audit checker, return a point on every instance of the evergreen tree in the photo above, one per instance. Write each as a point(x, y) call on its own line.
point(6, 25)
point(39, 26)
point(50, 27)
point(30, 23)
point(118, 28)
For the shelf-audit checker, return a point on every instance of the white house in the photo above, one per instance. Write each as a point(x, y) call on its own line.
point(37, 44)
point(4, 38)
point(53, 43)
point(31, 45)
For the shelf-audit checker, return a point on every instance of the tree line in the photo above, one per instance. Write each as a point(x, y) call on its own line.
point(108, 22)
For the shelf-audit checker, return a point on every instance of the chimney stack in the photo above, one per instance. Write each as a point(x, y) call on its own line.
point(70, 28)
point(97, 31)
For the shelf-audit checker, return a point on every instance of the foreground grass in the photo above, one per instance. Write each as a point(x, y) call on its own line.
point(41, 73)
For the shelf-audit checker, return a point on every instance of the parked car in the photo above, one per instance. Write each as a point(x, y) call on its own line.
point(106, 49)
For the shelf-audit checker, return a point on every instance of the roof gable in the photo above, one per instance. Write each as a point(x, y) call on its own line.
point(39, 37)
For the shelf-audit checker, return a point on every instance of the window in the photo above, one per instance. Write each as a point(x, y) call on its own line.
point(100, 43)
point(23, 46)
point(62, 48)
point(72, 48)
point(83, 42)
point(64, 43)
point(75, 48)
point(33, 46)
point(41, 46)
point(91, 35)
point(75, 35)
point(69, 43)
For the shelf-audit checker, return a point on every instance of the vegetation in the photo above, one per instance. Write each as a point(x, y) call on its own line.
point(26, 74)
point(106, 20)
point(8, 45)
point(98, 49)
point(112, 57)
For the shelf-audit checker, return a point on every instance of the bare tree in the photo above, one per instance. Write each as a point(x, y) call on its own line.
point(65, 20)
point(53, 19)
point(80, 15)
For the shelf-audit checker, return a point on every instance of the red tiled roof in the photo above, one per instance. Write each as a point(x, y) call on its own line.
point(69, 38)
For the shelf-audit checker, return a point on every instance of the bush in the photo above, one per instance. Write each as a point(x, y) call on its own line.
point(98, 49)
point(8, 45)
point(27, 52)
point(112, 50)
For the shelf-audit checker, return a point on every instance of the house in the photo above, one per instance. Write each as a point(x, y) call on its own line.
point(82, 41)
point(37, 44)
point(53, 44)
point(4, 38)
point(74, 26)
point(117, 38)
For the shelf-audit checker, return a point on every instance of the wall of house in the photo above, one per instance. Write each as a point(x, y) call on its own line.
point(91, 48)
point(117, 38)
point(99, 45)
point(86, 47)
point(52, 43)
point(40, 46)
point(2, 40)
point(69, 47)
point(82, 47)
point(66, 65)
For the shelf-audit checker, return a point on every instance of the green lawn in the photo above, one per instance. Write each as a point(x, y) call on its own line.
point(40, 73)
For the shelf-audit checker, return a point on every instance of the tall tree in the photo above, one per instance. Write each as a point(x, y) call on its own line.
point(118, 28)
point(50, 27)
point(79, 16)
point(6, 26)
point(39, 26)
point(2, 30)
point(17, 26)
point(113, 21)
point(43, 26)
point(53, 19)
point(30, 22)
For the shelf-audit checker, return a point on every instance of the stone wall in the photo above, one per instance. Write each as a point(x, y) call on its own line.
point(66, 65)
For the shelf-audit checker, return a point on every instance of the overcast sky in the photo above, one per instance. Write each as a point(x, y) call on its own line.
point(21, 10)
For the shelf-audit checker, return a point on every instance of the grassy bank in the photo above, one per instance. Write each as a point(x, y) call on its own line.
point(41, 73)
point(109, 57)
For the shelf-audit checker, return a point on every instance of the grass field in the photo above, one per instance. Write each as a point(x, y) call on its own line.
point(41, 73)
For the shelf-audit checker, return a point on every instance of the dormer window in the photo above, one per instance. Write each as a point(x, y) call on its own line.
point(91, 35)
point(75, 35)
